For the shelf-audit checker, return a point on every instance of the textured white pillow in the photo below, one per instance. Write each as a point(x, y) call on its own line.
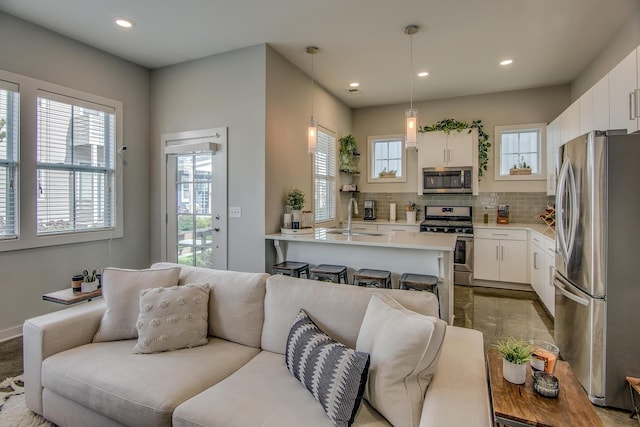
point(120, 289)
point(172, 318)
point(404, 348)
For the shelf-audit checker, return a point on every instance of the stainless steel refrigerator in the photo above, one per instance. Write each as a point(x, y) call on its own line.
point(597, 280)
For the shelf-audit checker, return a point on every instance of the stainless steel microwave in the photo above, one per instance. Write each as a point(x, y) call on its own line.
point(446, 180)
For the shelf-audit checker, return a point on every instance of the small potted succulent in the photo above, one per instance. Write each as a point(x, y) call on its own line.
point(89, 281)
point(515, 355)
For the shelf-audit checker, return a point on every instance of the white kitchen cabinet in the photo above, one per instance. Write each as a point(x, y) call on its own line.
point(553, 147)
point(586, 112)
point(601, 105)
point(570, 122)
point(542, 264)
point(501, 255)
point(452, 149)
point(624, 94)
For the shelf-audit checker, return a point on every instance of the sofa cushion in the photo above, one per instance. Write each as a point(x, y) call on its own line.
point(404, 347)
point(274, 398)
point(120, 289)
point(140, 389)
point(286, 296)
point(172, 318)
point(333, 373)
point(236, 302)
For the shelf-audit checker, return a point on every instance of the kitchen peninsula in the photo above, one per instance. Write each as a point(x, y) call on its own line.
point(399, 252)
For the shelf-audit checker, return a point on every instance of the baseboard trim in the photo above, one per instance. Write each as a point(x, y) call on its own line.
point(11, 333)
point(503, 285)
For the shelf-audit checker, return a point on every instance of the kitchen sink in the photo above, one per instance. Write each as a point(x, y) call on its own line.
point(355, 233)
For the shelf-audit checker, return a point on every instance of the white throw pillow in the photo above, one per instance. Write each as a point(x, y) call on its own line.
point(120, 289)
point(404, 348)
point(172, 318)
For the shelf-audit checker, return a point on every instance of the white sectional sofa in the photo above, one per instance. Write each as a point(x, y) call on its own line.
point(240, 377)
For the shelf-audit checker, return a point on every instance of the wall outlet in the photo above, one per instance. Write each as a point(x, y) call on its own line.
point(235, 212)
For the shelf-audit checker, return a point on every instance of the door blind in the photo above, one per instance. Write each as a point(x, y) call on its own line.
point(325, 177)
point(9, 126)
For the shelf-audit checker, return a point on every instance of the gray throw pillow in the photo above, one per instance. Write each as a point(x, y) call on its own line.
point(172, 318)
point(334, 374)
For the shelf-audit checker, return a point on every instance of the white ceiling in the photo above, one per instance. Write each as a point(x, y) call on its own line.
point(460, 42)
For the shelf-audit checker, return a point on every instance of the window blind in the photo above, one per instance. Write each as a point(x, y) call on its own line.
point(325, 177)
point(9, 126)
point(75, 165)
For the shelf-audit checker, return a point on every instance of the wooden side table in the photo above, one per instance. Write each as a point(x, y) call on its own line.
point(520, 405)
point(68, 296)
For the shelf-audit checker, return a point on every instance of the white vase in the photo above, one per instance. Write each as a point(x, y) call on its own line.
point(411, 217)
point(514, 373)
point(89, 286)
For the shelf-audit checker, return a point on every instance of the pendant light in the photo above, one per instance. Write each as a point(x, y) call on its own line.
point(411, 115)
point(312, 131)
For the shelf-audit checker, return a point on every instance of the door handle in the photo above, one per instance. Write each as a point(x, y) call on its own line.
point(637, 92)
point(216, 229)
point(497, 248)
point(502, 253)
point(535, 260)
point(572, 297)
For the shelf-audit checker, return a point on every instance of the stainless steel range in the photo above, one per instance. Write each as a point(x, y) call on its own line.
point(458, 220)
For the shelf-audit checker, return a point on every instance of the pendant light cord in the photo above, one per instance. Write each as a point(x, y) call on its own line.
point(411, 69)
point(312, 87)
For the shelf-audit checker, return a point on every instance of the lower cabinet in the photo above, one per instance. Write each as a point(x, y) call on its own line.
point(501, 255)
point(542, 264)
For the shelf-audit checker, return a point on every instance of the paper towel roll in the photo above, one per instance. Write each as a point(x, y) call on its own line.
point(392, 212)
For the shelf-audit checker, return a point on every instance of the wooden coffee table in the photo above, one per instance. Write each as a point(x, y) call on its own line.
point(520, 405)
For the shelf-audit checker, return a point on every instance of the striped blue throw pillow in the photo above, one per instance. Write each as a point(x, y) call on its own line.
point(334, 374)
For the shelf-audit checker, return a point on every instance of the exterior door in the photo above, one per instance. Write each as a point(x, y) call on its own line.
point(196, 202)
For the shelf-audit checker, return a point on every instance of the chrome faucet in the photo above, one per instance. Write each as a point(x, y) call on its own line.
point(352, 203)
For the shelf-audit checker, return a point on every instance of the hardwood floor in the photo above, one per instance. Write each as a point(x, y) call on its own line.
point(11, 358)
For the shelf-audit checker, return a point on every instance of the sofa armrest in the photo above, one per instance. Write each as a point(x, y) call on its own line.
point(458, 394)
point(53, 333)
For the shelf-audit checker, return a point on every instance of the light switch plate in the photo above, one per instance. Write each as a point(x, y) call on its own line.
point(235, 212)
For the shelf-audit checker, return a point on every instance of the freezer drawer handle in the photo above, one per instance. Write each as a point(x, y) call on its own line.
point(572, 297)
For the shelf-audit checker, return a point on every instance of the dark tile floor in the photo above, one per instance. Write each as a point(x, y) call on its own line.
point(500, 313)
point(497, 313)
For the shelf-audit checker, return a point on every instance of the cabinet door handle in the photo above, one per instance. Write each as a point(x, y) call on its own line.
point(633, 109)
point(502, 253)
point(497, 257)
point(551, 274)
point(535, 260)
point(499, 234)
point(637, 92)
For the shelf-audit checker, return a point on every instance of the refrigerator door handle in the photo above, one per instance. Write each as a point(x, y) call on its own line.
point(560, 192)
point(573, 297)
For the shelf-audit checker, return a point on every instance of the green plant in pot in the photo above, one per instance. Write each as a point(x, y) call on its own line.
point(295, 199)
point(515, 355)
point(347, 150)
point(89, 281)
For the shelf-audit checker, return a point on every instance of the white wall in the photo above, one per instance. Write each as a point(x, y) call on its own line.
point(503, 108)
point(220, 90)
point(25, 275)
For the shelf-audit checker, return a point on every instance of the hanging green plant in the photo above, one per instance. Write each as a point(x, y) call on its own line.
point(447, 125)
point(347, 150)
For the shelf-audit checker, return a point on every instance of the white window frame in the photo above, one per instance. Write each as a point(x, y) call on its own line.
point(331, 179)
point(541, 128)
point(12, 141)
point(28, 236)
point(371, 141)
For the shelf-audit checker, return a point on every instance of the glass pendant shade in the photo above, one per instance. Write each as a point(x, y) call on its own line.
point(411, 132)
point(312, 134)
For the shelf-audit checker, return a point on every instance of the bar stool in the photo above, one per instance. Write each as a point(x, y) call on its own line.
point(330, 273)
point(420, 282)
point(634, 388)
point(370, 277)
point(291, 268)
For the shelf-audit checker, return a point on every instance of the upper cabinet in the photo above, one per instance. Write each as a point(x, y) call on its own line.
point(624, 94)
point(451, 149)
point(553, 160)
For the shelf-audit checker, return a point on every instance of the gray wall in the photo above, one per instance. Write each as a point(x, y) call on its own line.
point(540, 105)
point(288, 163)
point(220, 90)
point(626, 40)
point(41, 54)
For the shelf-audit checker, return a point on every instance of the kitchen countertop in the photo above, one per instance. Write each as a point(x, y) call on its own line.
point(382, 221)
point(543, 229)
point(402, 239)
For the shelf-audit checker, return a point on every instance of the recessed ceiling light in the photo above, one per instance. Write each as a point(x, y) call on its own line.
point(354, 84)
point(423, 74)
point(124, 22)
point(506, 62)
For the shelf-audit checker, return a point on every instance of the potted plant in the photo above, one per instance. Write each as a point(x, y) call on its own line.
point(89, 281)
point(295, 199)
point(347, 151)
point(387, 174)
point(515, 355)
point(521, 168)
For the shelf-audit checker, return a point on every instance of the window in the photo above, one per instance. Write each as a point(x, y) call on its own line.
point(387, 159)
point(75, 151)
point(324, 168)
point(62, 184)
point(519, 152)
point(9, 125)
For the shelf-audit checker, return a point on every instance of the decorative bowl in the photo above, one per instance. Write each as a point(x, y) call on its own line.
point(545, 384)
